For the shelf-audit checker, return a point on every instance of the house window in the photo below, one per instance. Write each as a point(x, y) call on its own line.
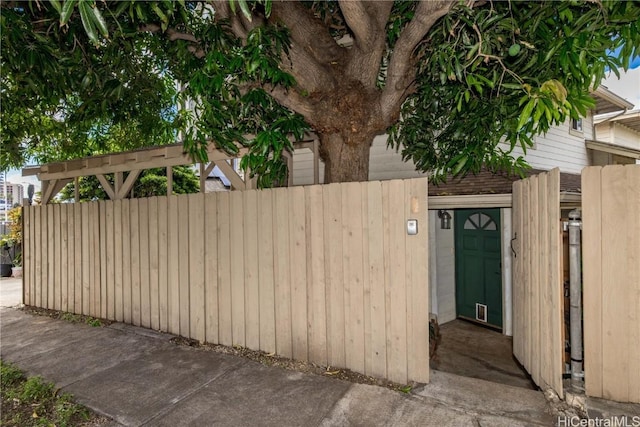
point(576, 125)
point(479, 221)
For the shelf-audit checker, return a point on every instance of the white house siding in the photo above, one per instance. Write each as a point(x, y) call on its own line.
point(303, 167)
point(446, 268)
point(618, 134)
point(384, 164)
point(559, 147)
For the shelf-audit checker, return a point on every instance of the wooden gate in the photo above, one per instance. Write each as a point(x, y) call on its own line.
point(611, 262)
point(537, 279)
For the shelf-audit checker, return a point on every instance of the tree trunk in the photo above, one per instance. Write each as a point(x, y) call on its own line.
point(345, 159)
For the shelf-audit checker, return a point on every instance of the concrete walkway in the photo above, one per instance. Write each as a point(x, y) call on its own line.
point(10, 291)
point(137, 377)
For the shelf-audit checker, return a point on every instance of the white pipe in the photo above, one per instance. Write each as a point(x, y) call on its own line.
point(575, 295)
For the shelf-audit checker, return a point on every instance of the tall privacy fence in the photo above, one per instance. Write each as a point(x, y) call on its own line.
point(611, 284)
point(326, 274)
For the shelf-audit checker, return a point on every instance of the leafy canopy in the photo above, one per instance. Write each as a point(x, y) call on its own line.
point(86, 76)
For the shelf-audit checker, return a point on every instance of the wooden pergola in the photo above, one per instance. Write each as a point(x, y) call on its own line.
point(54, 176)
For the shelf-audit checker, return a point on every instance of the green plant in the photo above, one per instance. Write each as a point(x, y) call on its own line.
point(34, 402)
point(17, 261)
point(96, 323)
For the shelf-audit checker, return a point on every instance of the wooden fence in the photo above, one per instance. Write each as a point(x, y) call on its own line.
point(326, 274)
point(611, 286)
point(537, 279)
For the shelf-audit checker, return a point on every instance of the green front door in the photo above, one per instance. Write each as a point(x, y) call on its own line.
point(478, 267)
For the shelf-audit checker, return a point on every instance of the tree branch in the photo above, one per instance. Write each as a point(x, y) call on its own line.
point(367, 21)
point(401, 71)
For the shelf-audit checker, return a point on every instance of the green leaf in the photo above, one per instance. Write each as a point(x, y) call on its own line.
point(67, 10)
point(56, 5)
point(87, 21)
point(101, 24)
point(526, 112)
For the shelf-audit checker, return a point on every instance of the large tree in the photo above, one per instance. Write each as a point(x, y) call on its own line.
point(447, 79)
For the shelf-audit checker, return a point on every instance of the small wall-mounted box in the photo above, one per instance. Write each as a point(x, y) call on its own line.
point(412, 227)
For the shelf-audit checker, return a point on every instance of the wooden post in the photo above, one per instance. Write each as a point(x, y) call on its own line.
point(117, 182)
point(169, 180)
point(76, 189)
point(316, 162)
point(203, 178)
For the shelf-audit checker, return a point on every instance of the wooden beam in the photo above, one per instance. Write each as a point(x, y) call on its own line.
point(106, 186)
point(124, 162)
point(128, 183)
point(236, 182)
point(52, 189)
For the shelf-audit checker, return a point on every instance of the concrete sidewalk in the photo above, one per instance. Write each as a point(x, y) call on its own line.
point(137, 377)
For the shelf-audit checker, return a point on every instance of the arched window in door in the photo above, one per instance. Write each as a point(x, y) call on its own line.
point(480, 221)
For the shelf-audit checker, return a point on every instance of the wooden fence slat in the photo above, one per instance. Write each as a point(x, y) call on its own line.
point(95, 285)
point(163, 270)
point(237, 269)
point(127, 274)
point(86, 255)
point(535, 319)
point(546, 314)
point(183, 264)
point(110, 279)
point(57, 260)
point(117, 261)
point(397, 299)
point(28, 263)
point(284, 345)
point(615, 220)
point(63, 258)
point(103, 260)
point(154, 263)
point(333, 255)
point(51, 280)
point(196, 266)
point(516, 245)
point(352, 275)
point(556, 289)
point(633, 277)
point(298, 273)
point(316, 286)
point(145, 292)
point(211, 268)
point(224, 270)
point(134, 210)
point(26, 255)
point(376, 349)
point(418, 289)
point(173, 310)
point(251, 272)
point(79, 262)
point(39, 255)
point(266, 268)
